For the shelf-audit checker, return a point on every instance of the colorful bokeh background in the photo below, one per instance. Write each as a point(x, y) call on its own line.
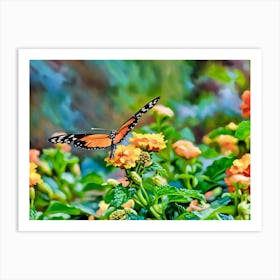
point(75, 95)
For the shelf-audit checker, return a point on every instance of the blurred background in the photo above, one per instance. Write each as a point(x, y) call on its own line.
point(72, 96)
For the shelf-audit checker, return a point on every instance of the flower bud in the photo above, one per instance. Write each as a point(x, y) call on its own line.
point(32, 193)
point(113, 182)
point(75, 169)
point(136, 178)
point(159, 181)
point(244, 208)
point(45, 167)
point(118, 215)
point(45, 188)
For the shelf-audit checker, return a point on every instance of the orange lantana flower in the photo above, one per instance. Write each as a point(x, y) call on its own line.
point(228, 144)
point(185, 148)
point(148, 142)
point(125, 156)
point(34, 177)
point(246, 104)
point(34, 156)
point(239, 173)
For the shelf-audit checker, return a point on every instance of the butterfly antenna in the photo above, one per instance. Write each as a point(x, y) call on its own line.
point(100, 129)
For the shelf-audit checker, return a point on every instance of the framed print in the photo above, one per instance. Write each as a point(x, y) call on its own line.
point(140, 139)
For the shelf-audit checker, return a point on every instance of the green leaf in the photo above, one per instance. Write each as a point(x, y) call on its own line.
point(68, 178)
point(179, 199)
point(243, 130)
point(214, 208)
point(187, 134)
point(58, 216)
point(32, 214)
point(132, 216)
point(121, 195)
point(59, 207)
point(220, 131)
point(84, 209)
point(218, 167)
point(158, 168)
point(92, 177)
point(208, 152)
point(218, 72)
point(93, 181)
point(173, 191)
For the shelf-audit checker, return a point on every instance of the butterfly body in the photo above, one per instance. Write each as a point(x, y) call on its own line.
point(104, 140)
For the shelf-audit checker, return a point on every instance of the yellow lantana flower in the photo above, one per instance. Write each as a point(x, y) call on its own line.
point(148, 142)
point(125, 156)
point(34, 177)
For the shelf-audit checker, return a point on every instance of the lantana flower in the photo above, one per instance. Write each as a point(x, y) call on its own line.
point(43, 165)
point(34, 156)
point(185, 148)
point(34, 177)
point(228, 144)
point(163, 111)
point(194, 205)
point(125, 156)
point(246, 104)
point(232, 126)
point(148, 142)
point(239, 173)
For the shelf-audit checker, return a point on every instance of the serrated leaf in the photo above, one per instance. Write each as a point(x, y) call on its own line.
point(243, 130)
point(173, 191)
point(32, 214)
point(158, 168)
point(121, 195)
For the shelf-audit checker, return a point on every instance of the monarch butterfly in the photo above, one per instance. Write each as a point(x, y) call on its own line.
point(104, 140)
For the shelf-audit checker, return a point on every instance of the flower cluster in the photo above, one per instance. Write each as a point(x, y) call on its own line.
point(246, 104)
point(34, 177)
point(239, 173)
point(186, 149)
point(148, 142)
point(164, 111)
point(127, 157)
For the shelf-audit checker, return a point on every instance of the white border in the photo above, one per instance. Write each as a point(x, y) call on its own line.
point(25, 55)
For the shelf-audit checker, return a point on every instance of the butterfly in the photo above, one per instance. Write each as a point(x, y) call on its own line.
point(104, 140)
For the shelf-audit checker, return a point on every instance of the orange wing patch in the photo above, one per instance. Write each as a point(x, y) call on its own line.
point(96, 141)
point(124, 130)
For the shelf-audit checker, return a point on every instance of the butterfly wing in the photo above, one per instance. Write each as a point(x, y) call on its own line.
point(86, 141)
point(132, 122)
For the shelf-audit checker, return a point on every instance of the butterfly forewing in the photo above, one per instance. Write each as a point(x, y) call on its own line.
point(132, 122)
point(87, 141)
